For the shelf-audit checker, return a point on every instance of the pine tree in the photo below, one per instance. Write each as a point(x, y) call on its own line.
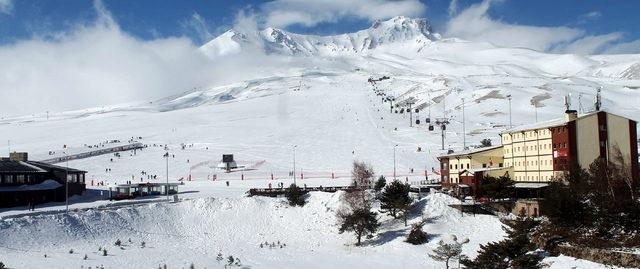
point(380, 183)
point(295, 196)
point(360, 221)
point(512, 252)
point(395, 199)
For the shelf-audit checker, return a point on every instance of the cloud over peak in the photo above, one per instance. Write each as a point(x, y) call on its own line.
point(283, 13)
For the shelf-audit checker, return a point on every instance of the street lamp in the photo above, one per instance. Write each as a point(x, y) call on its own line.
point(294, 164)
point(509, 97)
point(166, 189)
point(66, 183)
point(394, 162)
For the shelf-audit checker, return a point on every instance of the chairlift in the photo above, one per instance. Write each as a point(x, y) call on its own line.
point(417, 122)
point(417, 110)
point(431, 128)
point(444, 127)
point(401, 110)
point(428, 120)
point(396, 111)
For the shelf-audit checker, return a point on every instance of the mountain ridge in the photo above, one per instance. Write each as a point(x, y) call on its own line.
point(397, 30)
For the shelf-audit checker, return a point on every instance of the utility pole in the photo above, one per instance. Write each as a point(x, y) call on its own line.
point(510, 123)
point(464, 133)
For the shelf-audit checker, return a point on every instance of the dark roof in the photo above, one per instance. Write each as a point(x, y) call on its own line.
point(47, 166)
point(8, 166)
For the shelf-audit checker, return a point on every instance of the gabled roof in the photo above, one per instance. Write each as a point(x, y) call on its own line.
point(469, 151)
point(9, 166)
point(47, 166)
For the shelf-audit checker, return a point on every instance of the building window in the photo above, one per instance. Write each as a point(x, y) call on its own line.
point(451, 166)
point(467, 166)
point(20, 179)
point(484, 165)
point(456, 166)
point(8, 179)
point(444, 166)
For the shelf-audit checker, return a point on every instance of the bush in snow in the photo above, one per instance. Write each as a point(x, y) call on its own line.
point(192, 266)
point(417, 236)
point(85, 257)
point(104, 252)
point(71, 251)
point(446, 252)
point(219, 258)
point(295, 196)
point(143, 244)
point(118, 242)
point(2, 265)
point(395, 199)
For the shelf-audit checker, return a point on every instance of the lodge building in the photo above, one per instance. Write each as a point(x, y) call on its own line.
point(24, 182)
point(537, 153)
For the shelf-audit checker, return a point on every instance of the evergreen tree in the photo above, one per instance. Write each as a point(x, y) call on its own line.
point(380, 184)
point(513, 252)
point(361, 221)
point(295, 195)
point(395, 199)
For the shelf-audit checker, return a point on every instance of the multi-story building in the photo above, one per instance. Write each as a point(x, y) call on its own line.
point(539, 152)
point(542, 151)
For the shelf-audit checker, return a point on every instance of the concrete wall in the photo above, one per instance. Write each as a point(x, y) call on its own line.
point(618, 135)
point(587, 139)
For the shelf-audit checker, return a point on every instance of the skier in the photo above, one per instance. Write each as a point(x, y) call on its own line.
point(227, 183)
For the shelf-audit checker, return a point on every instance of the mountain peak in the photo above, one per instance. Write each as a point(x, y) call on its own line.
point(415, 32)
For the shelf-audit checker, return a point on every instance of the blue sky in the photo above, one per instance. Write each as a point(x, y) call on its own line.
point(613, 21)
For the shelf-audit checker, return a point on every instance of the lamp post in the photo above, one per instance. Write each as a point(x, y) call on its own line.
point(166, 156)
point(509, 98)
point(464, 133)
point(66, 183)
point(294, 164)
point(394, 162)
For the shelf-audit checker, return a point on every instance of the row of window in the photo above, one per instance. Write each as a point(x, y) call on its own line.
point(533, 178)
point(16, 179)
point(530, 163)
point(535, 147)
point(29, 179)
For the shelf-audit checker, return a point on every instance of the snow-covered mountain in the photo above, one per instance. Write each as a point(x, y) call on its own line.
point(416, 33)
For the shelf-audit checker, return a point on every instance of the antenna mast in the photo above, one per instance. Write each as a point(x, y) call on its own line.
point(598, 99)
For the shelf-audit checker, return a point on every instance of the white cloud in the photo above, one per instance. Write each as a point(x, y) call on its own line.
point(592, 15)
point(453, 7)
point(589, 44)
point(96, 63)
point(282, 13)
point(6, 6)
point(475, 24)
point(198, 25)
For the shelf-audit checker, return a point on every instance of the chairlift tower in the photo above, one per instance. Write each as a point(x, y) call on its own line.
point(442, 122)
point(410, 102)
